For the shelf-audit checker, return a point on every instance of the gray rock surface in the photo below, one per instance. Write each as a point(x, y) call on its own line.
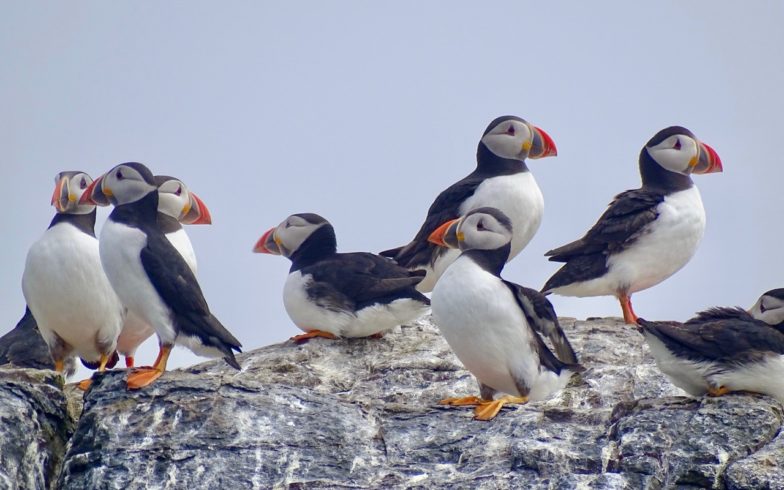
point(35, 426)
point(363, 413)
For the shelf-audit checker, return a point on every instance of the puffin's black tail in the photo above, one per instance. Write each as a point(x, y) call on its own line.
point(211, 332)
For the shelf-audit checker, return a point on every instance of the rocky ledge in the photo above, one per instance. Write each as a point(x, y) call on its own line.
point(364, 414)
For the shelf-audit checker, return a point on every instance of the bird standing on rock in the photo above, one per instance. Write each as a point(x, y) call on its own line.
point(176, 205)
point(330, 294)
point(494, 326)
point(150, 276)
point(646, 234)
point(65, 287)
point(501, 180)
point(722, 350)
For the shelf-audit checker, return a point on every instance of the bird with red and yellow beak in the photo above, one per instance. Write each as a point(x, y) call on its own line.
point(647, 234)
point(177, 205)
point(501, 180)
point(330, 294)
point(494, 326)
point(151, 277)
point(66, 289)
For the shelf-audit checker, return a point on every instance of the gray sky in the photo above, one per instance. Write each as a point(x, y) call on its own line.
point(363, 112)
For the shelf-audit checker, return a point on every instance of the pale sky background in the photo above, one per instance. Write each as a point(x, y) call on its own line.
point(362, 112)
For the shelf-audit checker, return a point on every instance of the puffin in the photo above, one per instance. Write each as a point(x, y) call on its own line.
point(722, 350)
point(66, 289)
point(330, 294)
point(646, 234)
point(501, 180)
point(151, 278)
point(177, 205)
point(494, 326)
point(24, 347)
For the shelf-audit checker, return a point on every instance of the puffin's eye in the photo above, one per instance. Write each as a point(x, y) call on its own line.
point(83, 183)
point(119, 175)
point(677, 144)
point(178, 191)
point(480, 226)
point(510, 130)
point(762, 307)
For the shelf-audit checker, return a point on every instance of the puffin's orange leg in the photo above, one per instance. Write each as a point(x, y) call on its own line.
point(141, 377)
point(489, 409)
point(85, 384)
point(313, 333)
point(129, 361)
point(626, 305)
point(59, 365)
point(379, 335)
point(462, 402)
point(721, 390)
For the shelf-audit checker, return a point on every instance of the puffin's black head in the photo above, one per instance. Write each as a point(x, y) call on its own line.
point(677, 150)
point(125, 183)
point(69, 186)
point(770, 307)
point(177, 201)
point(483, 228)
point(513, 138)
point(301, 232)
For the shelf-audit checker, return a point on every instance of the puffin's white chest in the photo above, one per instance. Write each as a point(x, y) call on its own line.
point(120, 248)
point(183, 245)
point(519, 197)
point(312, 314)
point(484, 326)
point(68, 293)
point(666, 246)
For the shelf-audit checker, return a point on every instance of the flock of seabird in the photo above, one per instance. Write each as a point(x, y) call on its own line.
point(99, 298)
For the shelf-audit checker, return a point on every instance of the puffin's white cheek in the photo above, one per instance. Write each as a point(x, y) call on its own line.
point(504, 146)
point(673, 160)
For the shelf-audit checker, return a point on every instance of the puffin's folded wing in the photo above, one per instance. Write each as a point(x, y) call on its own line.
point(419, 251)
point(542, 318)
point(175, 283)
point(626, 216)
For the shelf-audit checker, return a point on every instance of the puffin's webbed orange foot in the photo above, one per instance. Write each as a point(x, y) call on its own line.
point(379, 335)
point(721, 390)
point(141, 377)
point(462, 402)
point(313, 333)
point(84, 384)
point(489, 409)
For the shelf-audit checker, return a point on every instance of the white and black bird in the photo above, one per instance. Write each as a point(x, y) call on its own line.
point(722, 350)
point(646, 234)
point(64, 284)
point(501, 180)
point(330, 294)
point(150, 276)
point(177, 205)
point(494, 326)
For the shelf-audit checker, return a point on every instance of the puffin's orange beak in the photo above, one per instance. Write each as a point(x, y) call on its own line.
point(198, 214)
point(266, 244)
point(60, 195)
point(94, 194)
point(543, 145)
point(708, 161)
point(444, 235)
